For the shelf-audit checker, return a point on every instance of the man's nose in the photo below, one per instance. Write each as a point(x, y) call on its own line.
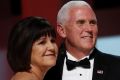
point(88, 27)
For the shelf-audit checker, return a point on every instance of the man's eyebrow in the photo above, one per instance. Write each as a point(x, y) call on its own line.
point(81, 21)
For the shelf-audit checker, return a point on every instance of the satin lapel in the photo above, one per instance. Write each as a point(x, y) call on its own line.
point(60, 68)
point(60, 62)
point(100, 69)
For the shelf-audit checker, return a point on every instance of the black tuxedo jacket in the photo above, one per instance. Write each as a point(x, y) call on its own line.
point(106, 66)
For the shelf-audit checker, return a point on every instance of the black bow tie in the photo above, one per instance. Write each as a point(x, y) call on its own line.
point(85, 63)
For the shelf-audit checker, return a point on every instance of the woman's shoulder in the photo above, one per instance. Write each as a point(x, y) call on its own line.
point(24, 76)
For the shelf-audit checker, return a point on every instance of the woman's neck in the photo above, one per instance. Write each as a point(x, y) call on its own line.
point(39, 73)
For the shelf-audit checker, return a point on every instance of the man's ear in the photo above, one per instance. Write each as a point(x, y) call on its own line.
point(61, 30)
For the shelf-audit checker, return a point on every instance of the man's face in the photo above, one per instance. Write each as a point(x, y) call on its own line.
point(80, 30)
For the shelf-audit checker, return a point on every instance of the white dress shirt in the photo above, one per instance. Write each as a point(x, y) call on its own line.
point(78, 73)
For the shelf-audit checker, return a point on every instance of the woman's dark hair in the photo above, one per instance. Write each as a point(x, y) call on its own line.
point(21, 39)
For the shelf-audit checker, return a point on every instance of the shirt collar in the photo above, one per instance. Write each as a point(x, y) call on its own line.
point(69, 56)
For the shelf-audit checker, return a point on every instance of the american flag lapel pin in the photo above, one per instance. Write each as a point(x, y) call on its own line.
point(99, 71)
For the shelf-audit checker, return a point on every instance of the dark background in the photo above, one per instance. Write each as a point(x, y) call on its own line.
point(11, 11)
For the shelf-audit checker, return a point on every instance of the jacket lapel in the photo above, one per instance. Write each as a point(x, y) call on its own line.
point(100, 69)
point(60, 62)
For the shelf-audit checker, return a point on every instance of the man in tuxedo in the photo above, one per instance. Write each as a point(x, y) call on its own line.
point(78, 57)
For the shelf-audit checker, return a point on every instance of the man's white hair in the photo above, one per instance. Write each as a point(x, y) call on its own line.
point(63, 12)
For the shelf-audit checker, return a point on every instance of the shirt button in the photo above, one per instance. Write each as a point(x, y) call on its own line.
point(80, 74)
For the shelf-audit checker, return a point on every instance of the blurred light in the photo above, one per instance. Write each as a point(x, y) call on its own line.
point(110, 45)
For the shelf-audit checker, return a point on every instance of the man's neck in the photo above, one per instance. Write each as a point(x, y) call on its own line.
point(78, 54)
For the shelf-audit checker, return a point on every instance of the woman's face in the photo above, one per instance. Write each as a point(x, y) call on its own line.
point(44, 52)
